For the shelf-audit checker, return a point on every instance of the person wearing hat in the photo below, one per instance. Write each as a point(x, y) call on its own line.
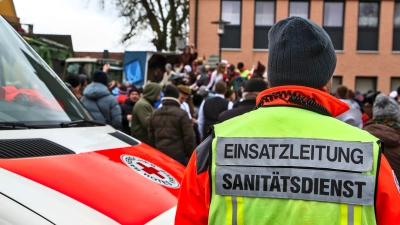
point(100, 102)
point(176, 79)
point(142, 110)
point(185, 98)
point(251, 90)
point(168, 73)
point(127, 108)
point(385, 125)
point(290, 161)
point(258, 72)
point(122, 94)
point(204, 92)
point(170, 130)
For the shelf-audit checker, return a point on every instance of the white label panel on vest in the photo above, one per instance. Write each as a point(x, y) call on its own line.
point(296, 152)
point(289, 183)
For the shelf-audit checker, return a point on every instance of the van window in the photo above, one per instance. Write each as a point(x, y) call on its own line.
point(30, 92)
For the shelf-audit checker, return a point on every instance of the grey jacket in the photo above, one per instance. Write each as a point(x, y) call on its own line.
point(102, 104)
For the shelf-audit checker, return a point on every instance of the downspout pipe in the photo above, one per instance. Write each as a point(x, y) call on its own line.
point(196, 18)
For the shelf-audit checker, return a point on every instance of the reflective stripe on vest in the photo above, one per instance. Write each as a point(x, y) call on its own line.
point(350, 214)
point(234, 206)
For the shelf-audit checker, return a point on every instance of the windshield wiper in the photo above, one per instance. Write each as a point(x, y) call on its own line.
point(13, 125)
point(81, 123)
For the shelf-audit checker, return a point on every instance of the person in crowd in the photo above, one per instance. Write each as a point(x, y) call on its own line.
point(115, 88)
point(204, 92)
point(158, 76)
point(211, 108)
point(142, 111)
point(127, 108)
point(258, 72)
point(189, 75)
point(83, 79)
point(188, 56)
point(168, 72)
point(198, 63)
point(368, 102)
point(202, 78)
point(100, 102)
point(185, 99)
point(352, 116)
point(231, 74)
point(75, 82)
point(177, 79)
point(257, 167)
point(385, 125)
point(356, 103)
point(244, 72)
point(122, 94)
point(252, 88)
point(230, 95)
point(186, 70)
point(217, 75)
point(197, 100)
point(170, 129)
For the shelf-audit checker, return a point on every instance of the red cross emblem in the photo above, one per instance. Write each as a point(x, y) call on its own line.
point(150, 170)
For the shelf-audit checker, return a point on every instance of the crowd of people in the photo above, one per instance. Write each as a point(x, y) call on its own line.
point(175, 114)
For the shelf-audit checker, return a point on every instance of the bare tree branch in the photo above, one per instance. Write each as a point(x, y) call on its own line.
point(167, 19)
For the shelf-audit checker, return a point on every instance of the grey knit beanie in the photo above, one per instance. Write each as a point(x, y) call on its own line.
point(300, 53)
point(385, 107)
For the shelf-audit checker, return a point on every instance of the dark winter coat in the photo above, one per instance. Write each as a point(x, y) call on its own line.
point(142, 110)
point(391, 139)
point(126, 109)
point(244, 106)
point(171, 130)
point(102, 104)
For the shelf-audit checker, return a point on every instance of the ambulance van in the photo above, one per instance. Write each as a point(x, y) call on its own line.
point(59, 166)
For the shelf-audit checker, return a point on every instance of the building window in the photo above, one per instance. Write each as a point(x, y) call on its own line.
point(231, 11)
point(336, 81)
point(368, 26)
point(333, 22)
point(396, 29)
point(264, 19)
point(394, 83)
point(365, 84)
point(299, 8)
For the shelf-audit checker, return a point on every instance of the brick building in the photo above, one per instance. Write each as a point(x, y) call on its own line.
point(365, 34)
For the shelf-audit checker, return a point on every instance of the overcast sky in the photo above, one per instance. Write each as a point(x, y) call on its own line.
point(92, 28)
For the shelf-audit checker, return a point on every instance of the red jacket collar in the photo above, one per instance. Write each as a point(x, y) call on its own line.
point(332, 104)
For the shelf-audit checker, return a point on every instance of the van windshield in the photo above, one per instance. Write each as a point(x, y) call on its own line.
point(30, 92)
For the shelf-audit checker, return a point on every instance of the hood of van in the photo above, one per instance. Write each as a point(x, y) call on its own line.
point(107, 181)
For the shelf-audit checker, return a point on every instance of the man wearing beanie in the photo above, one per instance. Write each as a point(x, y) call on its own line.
point(251, 90)
point(100, 102)
point(170, 129)
point(385, 125)
point(127, 108)
point(142, 111)
point(290, 161)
